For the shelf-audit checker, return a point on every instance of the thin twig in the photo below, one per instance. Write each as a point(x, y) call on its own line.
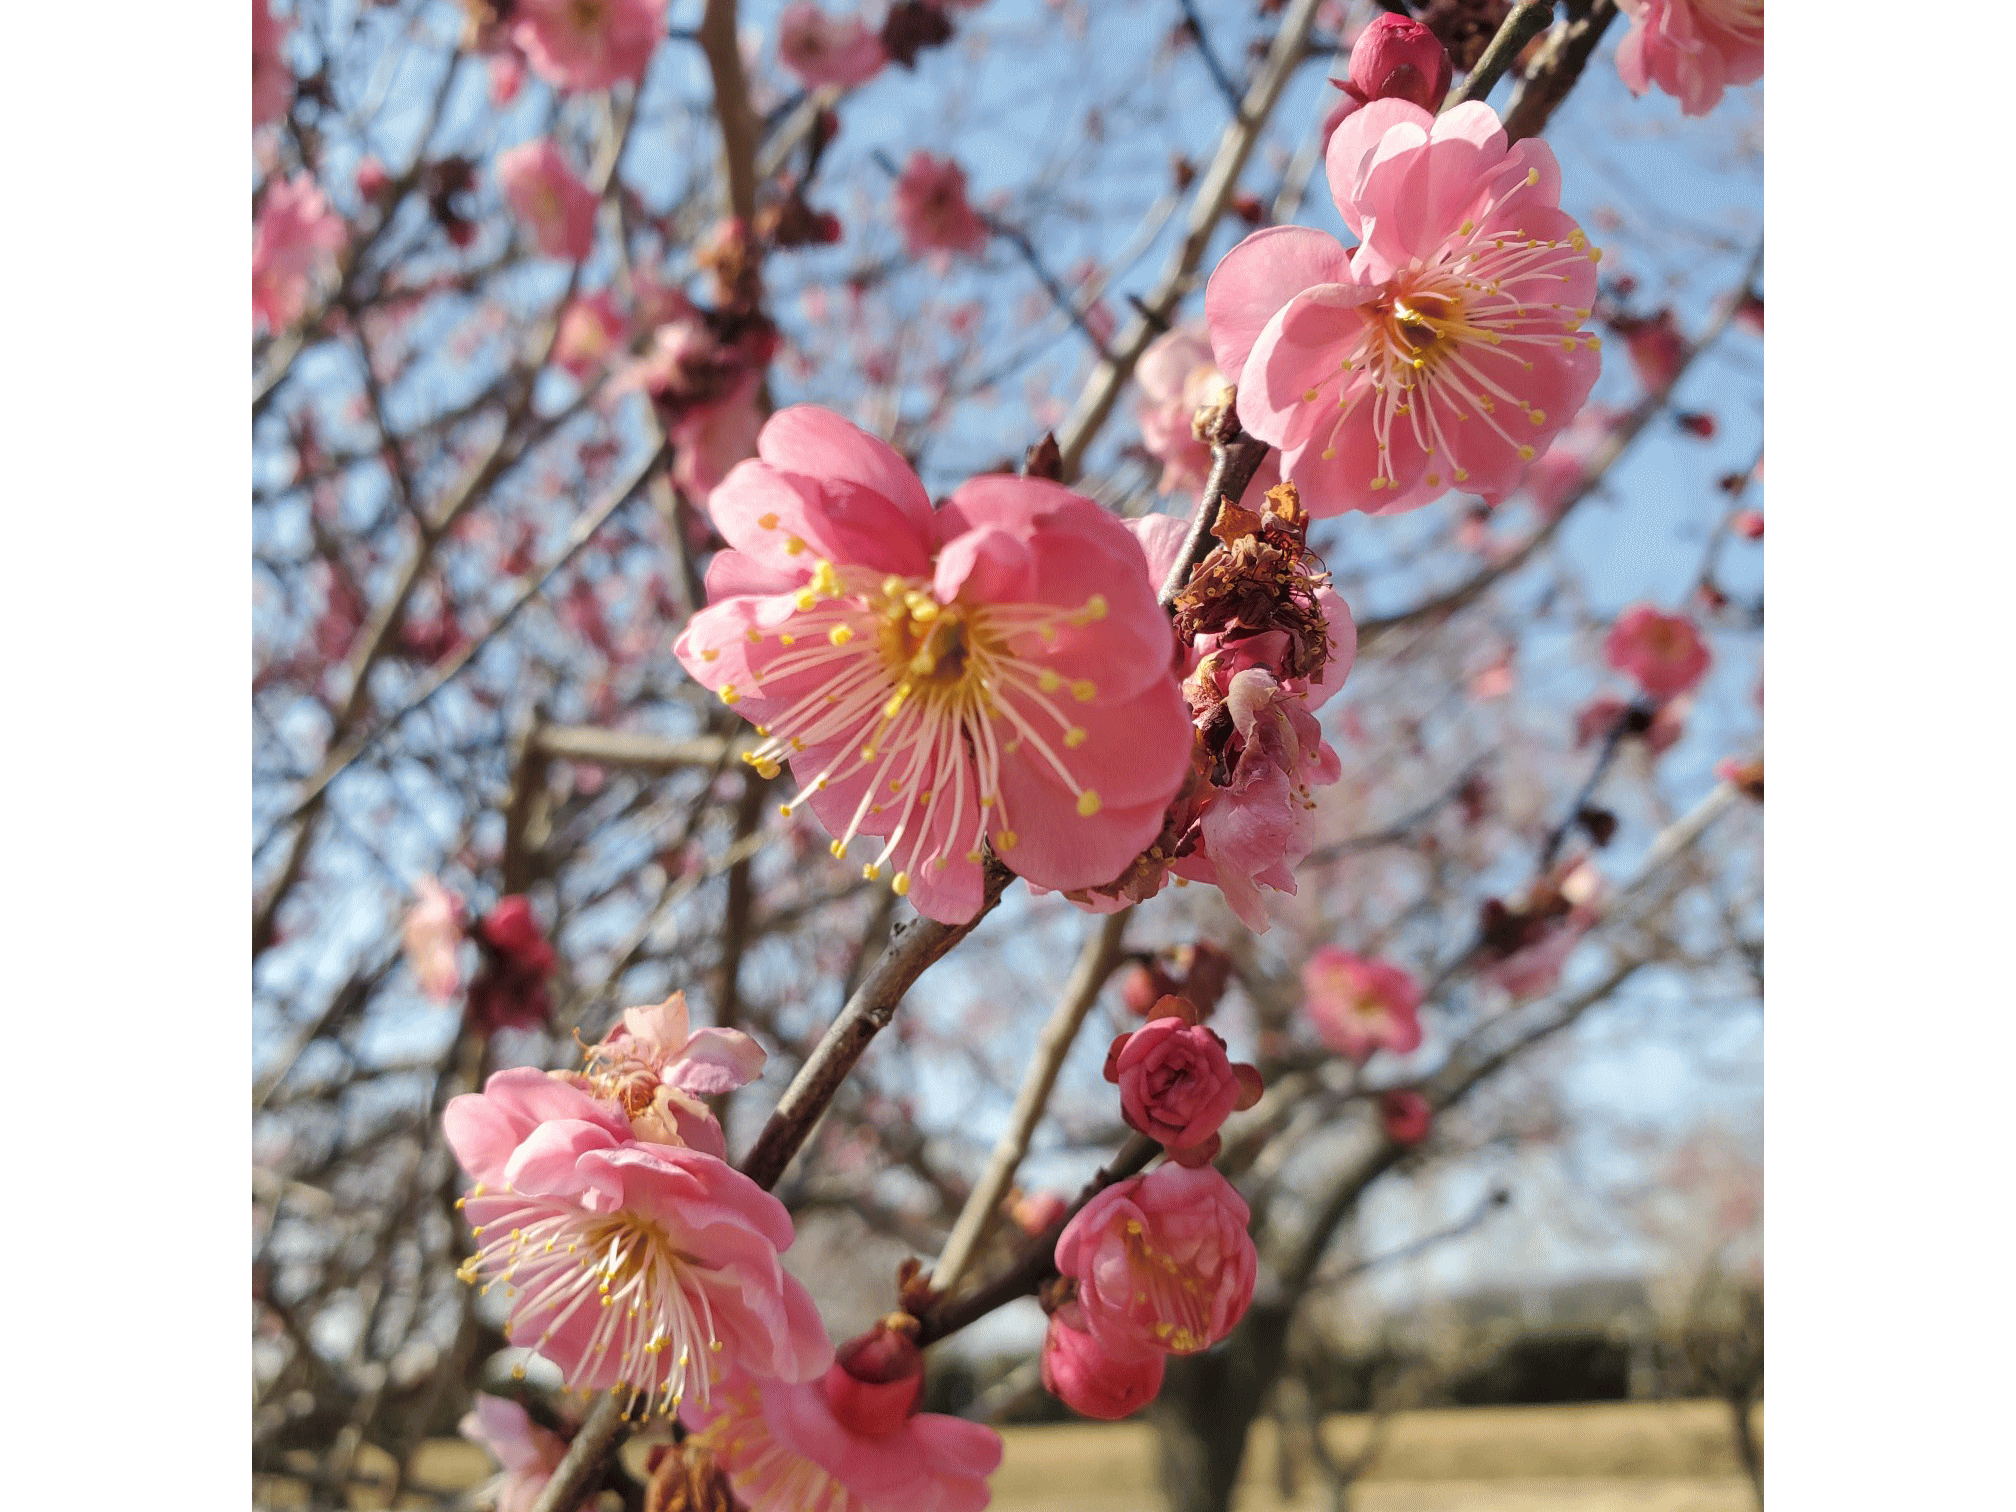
point(1527, 20)
point(1095, 963)
point(1210, 56)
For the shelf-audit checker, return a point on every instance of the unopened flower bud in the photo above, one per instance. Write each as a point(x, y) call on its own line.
point(875, 1381)
point(1400, 59)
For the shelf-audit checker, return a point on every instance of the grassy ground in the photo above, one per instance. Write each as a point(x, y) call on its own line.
point(1611, 1457)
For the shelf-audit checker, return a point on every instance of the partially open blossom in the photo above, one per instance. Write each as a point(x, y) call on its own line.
point(529, 1454)
point(1394, 58)
point(510, 991)
point(1664, 652)
point(433, 937)
point(786, 1451)
point(1177, 378)
point(1358, 1004)
point(1446, 351)
point(591, 332)
point(642, 1266)
point(822, 50)
point(1088, 1380)
point(992, 671)
point(1177, 1085)
point(588, 44)
point(294, 246)
point(1692, 49)
point(1405, 1116)
point(272, 79)
point(657, 1070)
point(1163, 1262)
point(549, 201)
point(932, 208)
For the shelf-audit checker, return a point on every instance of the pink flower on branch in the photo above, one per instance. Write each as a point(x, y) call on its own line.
point(510, 991)
point(1394, 58)
point(1178, 377)
point(642, 1267)
point(1664, 652)
point(591, 332)
point(819, 49)
point(786, 1450)
point(1163, 1262)
point(1088, 1380)
point(932, 208)
point(529, 1454)
point(433, 938)
point(992, 671)
point(294, 246)
point(1692, 49)
point(1446, 350)
point(548, 200)
point(1177, 1085)
point(588, 44)
point(1359, 1005)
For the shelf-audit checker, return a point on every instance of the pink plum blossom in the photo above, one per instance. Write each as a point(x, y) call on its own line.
point(1394, 58)
point(932, 209)
point(709, 439)
point(1034, 1212)
point(294, 246)
point(1405, 1116)
point(1527, 946)
point(994, 671)
point(1656, 345)
point(529, 1454)
point(272, 79)
point(657, 1071)
point(548, 200)
point(1177, 378)
point(591, 331)
point(1692, 49)
point(819, 49)
point(642, 1266)
point(433, 937)
point(1447, 349)
point(1088, 1380)
point(1664, 652)
point(785, 1450)
point(1358, 1004)
point(588, 44)
point(1177, 1085)
point(1163, 1262)
point(510, 992)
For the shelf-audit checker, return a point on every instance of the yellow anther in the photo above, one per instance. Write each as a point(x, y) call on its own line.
point(1538, 417)
point(1308, 394)
point(767, 522)
point(710, 654)
point(1006, 840)
point(785, 811)
point(1088, 804)
point(1048, 680)
point(1074, 737)
point(787, 638)
point(728, 693)
point(1084, 690)
point(1377, 484)
point(1527, 454)
point(1462, 475)
point(840, 635)
point(1532, 177)
point(870, 872)
point(793, 546)
point(900, 884)
point(1329, 454)
point(839, 850)
point(1095, 607)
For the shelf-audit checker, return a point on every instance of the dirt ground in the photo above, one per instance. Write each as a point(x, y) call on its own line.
point(1609, 1457)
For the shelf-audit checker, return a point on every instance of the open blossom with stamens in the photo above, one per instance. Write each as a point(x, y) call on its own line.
point(657, 1071)
point(1178, 377)
point(992, 671)
point(1663, 651)
point(641, 1266)
point(820, 49)
point(1163, 1262)
point(588, 44)
point(1088, 1380)
point(1359, 1005)
point(555, 206)
point(1692, 49)
point(932, 208)
point(294, 246)
point(785, 1450)
point(1445, 351)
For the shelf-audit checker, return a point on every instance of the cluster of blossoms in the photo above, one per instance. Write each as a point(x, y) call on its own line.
point(1158, 1264)
point(294, 245)
point(510, 989)
point(1692, 49)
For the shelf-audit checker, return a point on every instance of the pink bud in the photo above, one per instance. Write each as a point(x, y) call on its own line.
point(372, 179)
point(1088, 1380)
point(1406, 1117)
point(1749, 525)
point(1177, 1085)
point(1399, 59)
point(873, 1385)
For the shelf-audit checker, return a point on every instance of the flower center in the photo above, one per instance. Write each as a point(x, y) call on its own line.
point(925, 699)
point(1182, 1311)
point(633, 1283)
